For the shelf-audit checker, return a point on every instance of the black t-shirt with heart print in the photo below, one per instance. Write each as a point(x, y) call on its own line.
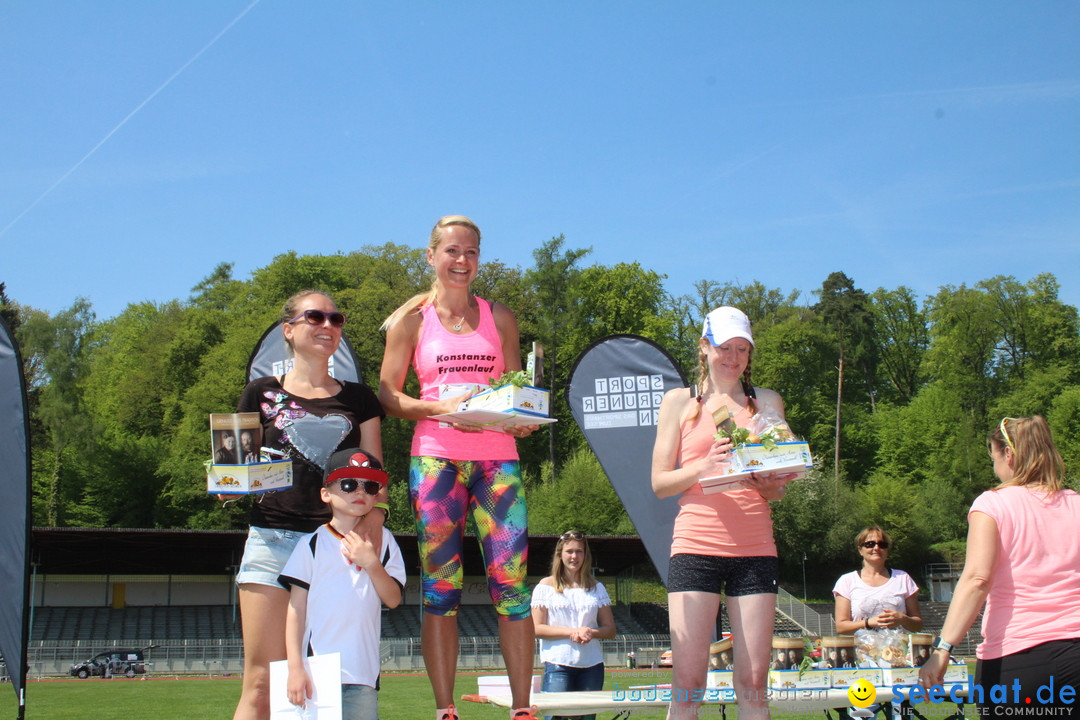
point(308, 430)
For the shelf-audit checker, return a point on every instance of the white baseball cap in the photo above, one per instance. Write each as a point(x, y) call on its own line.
point(725, 323)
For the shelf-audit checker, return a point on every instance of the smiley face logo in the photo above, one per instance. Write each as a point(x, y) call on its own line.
point(862, 693)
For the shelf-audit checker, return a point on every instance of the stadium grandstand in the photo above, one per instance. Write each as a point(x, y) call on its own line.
point(172, 591)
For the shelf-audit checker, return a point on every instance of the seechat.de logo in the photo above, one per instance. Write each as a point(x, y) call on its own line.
point(1009, 696)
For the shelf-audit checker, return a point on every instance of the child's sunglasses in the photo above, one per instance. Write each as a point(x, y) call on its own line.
point(350, 485)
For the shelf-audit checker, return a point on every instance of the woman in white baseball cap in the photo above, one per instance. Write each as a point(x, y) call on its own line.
point(723, 542)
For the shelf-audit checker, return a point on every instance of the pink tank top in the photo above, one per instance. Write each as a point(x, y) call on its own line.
point(445, 358)
point(737, 523)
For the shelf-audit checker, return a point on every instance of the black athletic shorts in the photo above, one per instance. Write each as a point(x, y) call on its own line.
point(1033, 668)
point(733, 575)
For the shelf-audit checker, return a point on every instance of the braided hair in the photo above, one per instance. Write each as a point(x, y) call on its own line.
point(703, 377)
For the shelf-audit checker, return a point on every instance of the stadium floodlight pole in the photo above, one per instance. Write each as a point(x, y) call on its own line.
point(804, 577)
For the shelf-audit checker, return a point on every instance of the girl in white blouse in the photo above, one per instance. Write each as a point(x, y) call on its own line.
point(571, 613)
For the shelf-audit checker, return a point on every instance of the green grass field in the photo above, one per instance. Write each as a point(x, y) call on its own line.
point(403, 697)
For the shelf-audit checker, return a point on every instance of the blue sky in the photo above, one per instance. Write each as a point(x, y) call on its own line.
point(919, 144)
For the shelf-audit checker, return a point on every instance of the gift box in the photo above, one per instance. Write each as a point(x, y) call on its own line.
point(784, 456)
point(787, 457)
point(500, 684)
point(900, 676)
point(956, 672)
point(799, 680)
point(720, 679)
point(720, 685)
point(787, 653)
point(720, 654)
point(249, 479)
point(235, 438)
point(838, 651)
point(844, 678)
point(921, 645)
point(512, 398)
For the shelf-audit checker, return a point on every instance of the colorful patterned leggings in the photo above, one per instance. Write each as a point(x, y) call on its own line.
point(443, 492)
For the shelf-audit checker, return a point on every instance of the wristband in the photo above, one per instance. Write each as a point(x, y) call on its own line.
point(945, 645)
point(866, 623)
point(385, 508)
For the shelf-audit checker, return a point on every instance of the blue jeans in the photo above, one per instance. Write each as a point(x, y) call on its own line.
point(359, 702)
point(563, 678)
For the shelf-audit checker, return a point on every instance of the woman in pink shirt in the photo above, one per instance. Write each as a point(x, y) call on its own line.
point(1023, 561)
point(723, 543)
point(456, 342)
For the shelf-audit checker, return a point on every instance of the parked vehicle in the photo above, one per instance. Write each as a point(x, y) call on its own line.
point(111, 663)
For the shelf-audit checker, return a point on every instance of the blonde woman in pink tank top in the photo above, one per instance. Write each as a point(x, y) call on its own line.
point(451, 337)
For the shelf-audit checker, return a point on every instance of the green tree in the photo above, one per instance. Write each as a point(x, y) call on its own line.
point(9, 310)
point(963, 346)
point(902, 338)
point(1064, 419)
point(553, 279)
point(624, 298)
point(580, 498)
point(56, 349)
point(894, 504)
point(127, 400)
point(846, 310)
point(791, 357)
point(815, 519)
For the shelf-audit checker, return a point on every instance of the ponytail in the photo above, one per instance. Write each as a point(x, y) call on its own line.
point(413, 305)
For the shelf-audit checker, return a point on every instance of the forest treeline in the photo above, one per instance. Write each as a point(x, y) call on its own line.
point(894, 392)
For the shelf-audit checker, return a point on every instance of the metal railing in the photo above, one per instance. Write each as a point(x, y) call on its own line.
point(226, 657)
point(811, 621)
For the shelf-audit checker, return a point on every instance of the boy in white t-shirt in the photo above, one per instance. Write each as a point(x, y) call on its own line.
point(338, 581)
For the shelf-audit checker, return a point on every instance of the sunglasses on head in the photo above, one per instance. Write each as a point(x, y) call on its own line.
point(572, 535)
point(350, 485)
point(1005, 433)
point(870, 544)
point(318, 317)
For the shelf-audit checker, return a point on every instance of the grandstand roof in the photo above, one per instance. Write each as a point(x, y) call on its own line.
point(114, 551)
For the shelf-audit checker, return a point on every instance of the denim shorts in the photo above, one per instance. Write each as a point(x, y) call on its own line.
point(359, 702)
point(265, 554)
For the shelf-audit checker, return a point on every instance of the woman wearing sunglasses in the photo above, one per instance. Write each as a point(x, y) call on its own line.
point(1023, 562)
point(572, 613)
point(307, 415)
point(876, 596)
point(455, 341)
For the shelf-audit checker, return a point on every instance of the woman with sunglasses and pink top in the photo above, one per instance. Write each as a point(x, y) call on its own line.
point(307, 415)
point(1023, 562)
point(876, 596)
